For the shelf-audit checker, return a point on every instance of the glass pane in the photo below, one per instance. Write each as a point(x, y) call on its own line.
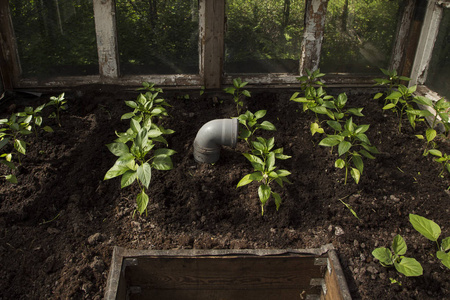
point(55, 38)
point(263, 36)
point(158, 36)
point(359, 35)
point(439, 69)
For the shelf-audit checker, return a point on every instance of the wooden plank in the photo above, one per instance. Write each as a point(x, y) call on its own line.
point(316, 11)
point(211, 39)
point(428, 35)
point(231, 294)
point(105, 28)
point(224, 273)
point(337, 288)
point(9, 59)
point(402, 34)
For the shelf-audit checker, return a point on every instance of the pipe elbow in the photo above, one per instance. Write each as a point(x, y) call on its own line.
point(212, 136)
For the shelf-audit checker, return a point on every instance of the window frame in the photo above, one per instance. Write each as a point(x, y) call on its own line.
point(411, 52)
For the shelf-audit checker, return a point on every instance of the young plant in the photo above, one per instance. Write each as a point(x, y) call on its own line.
point(443, 159)
point(353, 144)
point(146, 107)
point(237, 91)
point(318, 102)
point(60, 104)
point(250, 122)
point(135, 163)
point(392, 81)
point(265, 171)
point(12, 131)
point(432, 231)
point(33, 117)
point(395, 257)
point(400, 102)
point(310, 79)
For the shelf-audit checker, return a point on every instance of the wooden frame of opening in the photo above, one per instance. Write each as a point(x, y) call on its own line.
point(407, 50)
point(226, 274)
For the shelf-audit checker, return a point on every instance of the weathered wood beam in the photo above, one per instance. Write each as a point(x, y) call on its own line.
point(211, 39)
point(316, 11)
point(105, 28)
point(402, 34)
point(10, 69)
point(428, 35)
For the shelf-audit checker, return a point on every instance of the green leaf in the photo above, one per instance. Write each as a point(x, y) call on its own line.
point(131, 104)
point(426, 227)
point(246, 93)
point(118, 149)
point(329, 141)
point(127, 116)
point(344, 146)
point(260, 113)
point(435, 152)
point(128, 178)
point(444, 258)
point(358, 162)
point(142, 202)
point(47, 129)
point(266, 125)
point(389, 106)
point(335, 125)
point(355, 174)
point(164, 151)
point(398, 245)
point(120, 167)
point(277, 198)
point(270, 162)
point(384, 255)
point(20, 146)
point(445, 245)
point(339, 163)
point(264, 193)
point(162, 162)
point(144, 174)
point(11, 178)
point(377, 96)
point(244, 181)
point(430, 134)
point(315, 128)
point(409, 267)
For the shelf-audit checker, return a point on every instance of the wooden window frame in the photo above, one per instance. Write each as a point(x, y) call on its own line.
point(411, 51)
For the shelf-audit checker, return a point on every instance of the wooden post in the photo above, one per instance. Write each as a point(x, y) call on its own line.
point(10, 69)
point(428, 35)
point(105, 28)
point(316, 11)
point(401, 37)
point(211, 30)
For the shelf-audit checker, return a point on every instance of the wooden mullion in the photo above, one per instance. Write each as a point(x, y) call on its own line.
point(211, 39)
point(316, 11)
point(105, 28)
point(9, 59)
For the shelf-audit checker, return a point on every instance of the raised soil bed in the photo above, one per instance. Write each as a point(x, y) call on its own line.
point(60, 224)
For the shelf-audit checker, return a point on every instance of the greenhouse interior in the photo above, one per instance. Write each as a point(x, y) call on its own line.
point(266, 149)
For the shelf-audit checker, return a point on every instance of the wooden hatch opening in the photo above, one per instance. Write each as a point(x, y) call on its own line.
point(226, 274)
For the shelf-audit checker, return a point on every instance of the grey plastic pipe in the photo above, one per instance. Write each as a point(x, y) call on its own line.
point(213, 135)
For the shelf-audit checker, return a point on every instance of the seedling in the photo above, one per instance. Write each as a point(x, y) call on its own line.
point(443, 159)
point(392, 81)
point(33, 117)
point(400, 102)
point(265, 171)
point(146, 107)
point(60, 104)
point(250, 122)
point(237, 91)
point(353, 144)
point(432, 231)
point(11, 132)
point(395, 257)
point(310, 79)
point(135, 163)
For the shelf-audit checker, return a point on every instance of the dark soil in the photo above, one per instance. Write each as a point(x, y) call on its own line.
point(59, 224)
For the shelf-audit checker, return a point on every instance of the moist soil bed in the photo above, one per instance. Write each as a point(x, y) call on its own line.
point(58, 226)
